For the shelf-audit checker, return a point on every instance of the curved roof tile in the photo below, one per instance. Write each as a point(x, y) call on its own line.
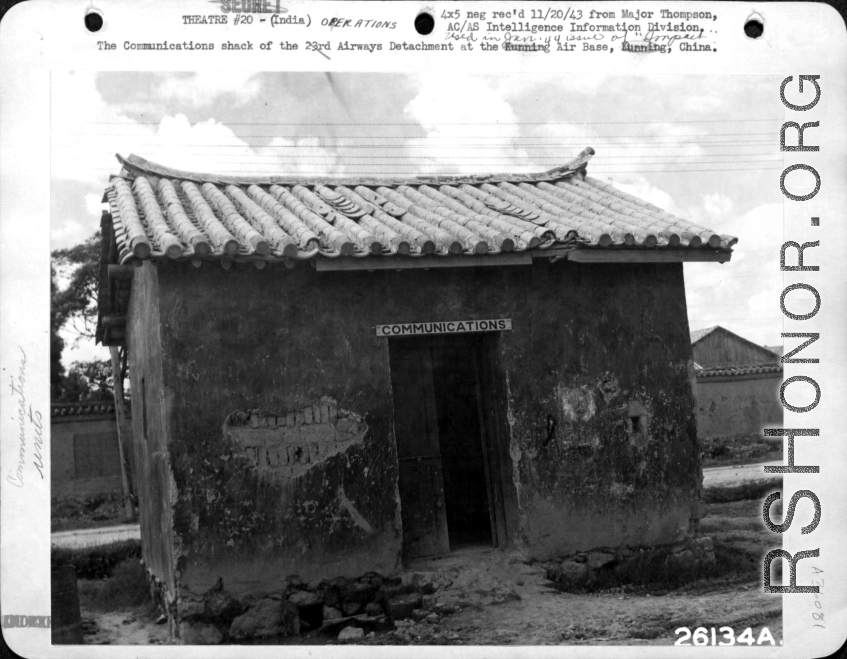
point(159, 212)
point(730, 371)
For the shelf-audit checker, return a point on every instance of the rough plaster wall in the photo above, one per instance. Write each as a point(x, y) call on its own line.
point(737, 406)
point(276, 342)
point(592, 347)
point(618, 349)
point(153, 479)
point(64, 482)
point(62, 455)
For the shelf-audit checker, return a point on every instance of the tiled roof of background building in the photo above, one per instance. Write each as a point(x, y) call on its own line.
point(730, 371)
point(97, 408)
point(159, 212)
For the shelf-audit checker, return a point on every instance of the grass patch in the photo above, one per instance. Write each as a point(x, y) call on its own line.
point(74, 513)
point(711, 526)
point(748, 490)
point(96, 562)
point(126, 589)
point(734, 461)
point(741, 509)
point(739, 450)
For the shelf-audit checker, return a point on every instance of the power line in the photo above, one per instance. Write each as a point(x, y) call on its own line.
point(676, 171)
point(623, 145)
point(447, 137)
point(459, 123)
point(384, 160)
point(158, 147)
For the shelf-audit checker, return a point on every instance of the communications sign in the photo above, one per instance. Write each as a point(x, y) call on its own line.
point(445, 327)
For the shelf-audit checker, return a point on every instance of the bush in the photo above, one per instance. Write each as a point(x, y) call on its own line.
point(739, 448)
point(126, 589)
point(70, 513)
point(96, 562)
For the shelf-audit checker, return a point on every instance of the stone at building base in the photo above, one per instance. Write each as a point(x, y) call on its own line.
point(351, 634)
point(666, 564)
point(401, 607)
point(373, 609)
point(199, 634)
point(266, 618)
point(331, 613)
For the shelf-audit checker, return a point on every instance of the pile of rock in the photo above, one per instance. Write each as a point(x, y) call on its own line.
point(599, 570)
point(350, 609)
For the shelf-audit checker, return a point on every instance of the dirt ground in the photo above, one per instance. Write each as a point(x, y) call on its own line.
point(544, 616)
point(501, 601)
point(131, 627)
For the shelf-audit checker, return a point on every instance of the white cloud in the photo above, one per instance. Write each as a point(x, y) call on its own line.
point(717, 208)
point(638, 186)
point(742, 295)
point(93, 204)
point(88, 131)
point(65, 232)
point(302, 156)
point(209, 146)
point(457, 112)
point(204, 87)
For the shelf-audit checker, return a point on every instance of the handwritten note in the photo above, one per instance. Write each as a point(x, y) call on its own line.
point(29, 420)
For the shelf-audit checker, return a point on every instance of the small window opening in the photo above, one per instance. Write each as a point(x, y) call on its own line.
point(638, 425)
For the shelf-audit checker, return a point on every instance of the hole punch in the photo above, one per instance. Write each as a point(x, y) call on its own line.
point(424, 23)
point(93, 21)
point(754, 27)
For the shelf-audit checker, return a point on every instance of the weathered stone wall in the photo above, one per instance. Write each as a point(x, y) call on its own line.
point(728, 407)
point(599, 443)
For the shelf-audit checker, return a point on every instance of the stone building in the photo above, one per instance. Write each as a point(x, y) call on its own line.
point(336, 377)
point(737, 386)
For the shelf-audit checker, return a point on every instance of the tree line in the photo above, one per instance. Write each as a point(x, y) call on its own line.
point(74, 288)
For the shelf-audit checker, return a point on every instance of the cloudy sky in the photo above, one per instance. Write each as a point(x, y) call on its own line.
point(703, 148)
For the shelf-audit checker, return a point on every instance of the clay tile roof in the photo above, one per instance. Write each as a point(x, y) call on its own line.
point(158, 212)
point(98, 408)
point(746, 369)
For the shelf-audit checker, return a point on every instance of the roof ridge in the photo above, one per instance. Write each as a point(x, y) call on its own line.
point(138, 165)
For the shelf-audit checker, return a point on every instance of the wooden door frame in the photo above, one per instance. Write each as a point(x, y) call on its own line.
point(438, 534)
point(483, 348)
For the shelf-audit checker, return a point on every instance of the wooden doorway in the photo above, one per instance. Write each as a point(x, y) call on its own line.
point(449, 468)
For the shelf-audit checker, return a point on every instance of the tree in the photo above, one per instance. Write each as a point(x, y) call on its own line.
point(76, 303)
point(74, 307)
point(57, 343)
point(88, 382)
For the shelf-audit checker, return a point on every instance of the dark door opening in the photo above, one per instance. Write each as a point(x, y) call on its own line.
point(446, 489)
point(460, 437)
